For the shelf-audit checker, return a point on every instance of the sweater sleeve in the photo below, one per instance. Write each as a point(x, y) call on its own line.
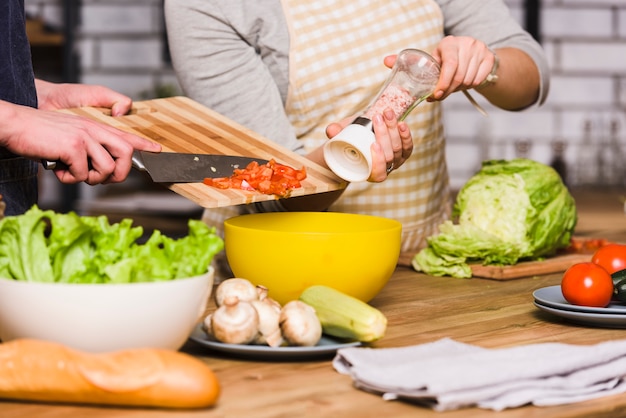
point(491, 22)
point(232, 56)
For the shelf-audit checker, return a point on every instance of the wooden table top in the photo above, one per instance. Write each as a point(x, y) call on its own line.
point(420, 309)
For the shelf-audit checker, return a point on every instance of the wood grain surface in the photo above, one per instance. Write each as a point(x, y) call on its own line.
point(180, 124)
point(420, 309)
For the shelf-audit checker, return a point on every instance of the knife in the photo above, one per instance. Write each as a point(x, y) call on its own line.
point(176, 167)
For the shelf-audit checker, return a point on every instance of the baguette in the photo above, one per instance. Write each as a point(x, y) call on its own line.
point(34, 370)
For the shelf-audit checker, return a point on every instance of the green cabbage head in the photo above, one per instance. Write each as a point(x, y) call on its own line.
point(509, 211)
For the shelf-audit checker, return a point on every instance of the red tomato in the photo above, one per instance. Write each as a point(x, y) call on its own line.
point(586, 245)
point(270, 178)
point(612, 257)
point(220, 183)
point(587, 284)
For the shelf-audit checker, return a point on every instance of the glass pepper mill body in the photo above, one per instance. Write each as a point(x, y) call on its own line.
point(412, 80)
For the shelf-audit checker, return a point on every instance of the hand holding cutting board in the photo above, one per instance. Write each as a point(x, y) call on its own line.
point(181, 125)
point(91, 152)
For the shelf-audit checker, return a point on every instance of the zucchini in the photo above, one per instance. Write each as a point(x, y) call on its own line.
point(619, 285)
point(345, 316)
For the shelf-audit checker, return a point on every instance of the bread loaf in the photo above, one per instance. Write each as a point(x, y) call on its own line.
point(33, 370)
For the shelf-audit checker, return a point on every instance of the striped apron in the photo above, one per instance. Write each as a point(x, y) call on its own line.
point(336, 68)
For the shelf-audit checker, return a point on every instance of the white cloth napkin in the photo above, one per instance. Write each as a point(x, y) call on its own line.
point(447, 374)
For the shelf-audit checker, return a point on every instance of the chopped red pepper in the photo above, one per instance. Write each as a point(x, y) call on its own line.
point(585, 245)
point(270, 178)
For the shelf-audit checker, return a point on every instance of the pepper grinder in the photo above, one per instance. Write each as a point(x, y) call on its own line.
point(412, 79)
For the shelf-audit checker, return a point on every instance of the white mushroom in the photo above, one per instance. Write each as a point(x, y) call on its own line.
point(243, 289)
point(299, 324)
point(235, 322)
point(269, 326)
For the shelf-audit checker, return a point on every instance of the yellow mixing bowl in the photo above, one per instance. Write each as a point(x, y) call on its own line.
point(290, 251)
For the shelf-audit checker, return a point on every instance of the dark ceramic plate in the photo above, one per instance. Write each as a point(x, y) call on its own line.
point(551, 296)
point(327, 346)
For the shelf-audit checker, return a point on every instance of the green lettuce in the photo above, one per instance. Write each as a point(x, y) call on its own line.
point(46, 246)
point(509, 211)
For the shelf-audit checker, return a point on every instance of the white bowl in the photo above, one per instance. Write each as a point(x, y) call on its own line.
point(104, 317)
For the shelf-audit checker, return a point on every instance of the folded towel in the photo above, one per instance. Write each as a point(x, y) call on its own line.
point(447, 374)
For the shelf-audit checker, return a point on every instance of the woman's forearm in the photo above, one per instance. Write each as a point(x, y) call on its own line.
point(517, 86)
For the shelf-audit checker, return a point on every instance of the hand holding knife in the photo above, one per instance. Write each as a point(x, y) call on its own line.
point(176, 167)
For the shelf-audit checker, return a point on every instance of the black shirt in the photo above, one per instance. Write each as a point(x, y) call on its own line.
point(18, 181)
point(17, 80)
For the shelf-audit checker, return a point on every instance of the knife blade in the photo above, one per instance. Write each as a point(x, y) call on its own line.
point(176, 167)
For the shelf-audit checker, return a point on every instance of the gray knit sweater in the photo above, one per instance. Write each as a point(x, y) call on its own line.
point(250, 41)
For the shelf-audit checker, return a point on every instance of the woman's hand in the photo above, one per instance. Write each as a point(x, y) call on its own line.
point(465, 64)
point(393, 146)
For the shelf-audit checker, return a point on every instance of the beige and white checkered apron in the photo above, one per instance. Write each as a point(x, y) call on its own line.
point(336, 68)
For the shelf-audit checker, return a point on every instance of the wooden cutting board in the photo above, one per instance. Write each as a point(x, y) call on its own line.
point(180, 124)
point(554, 264)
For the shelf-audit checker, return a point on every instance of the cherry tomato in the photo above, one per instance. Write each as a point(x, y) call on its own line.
point(612, 257)
point(587, 284)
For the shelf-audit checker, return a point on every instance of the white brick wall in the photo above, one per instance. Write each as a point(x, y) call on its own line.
point(585, 41)
point(600, 57)
point(130, 53)
point(119, 18)
point(121, 46)
point(48, 10)
point(119, 43)
point(579, 22)
point(586, 45)
point(580, 91)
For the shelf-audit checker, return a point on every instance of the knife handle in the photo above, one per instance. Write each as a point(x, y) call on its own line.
point(52, 165)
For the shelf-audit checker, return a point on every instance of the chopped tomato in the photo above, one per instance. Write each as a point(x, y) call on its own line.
point(270, 178)
point(586, 246)
point(220, 183)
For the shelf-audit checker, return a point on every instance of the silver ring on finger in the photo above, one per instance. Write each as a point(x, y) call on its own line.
point(390, 168)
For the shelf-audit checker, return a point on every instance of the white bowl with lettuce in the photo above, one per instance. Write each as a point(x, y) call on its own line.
point(91, 285)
